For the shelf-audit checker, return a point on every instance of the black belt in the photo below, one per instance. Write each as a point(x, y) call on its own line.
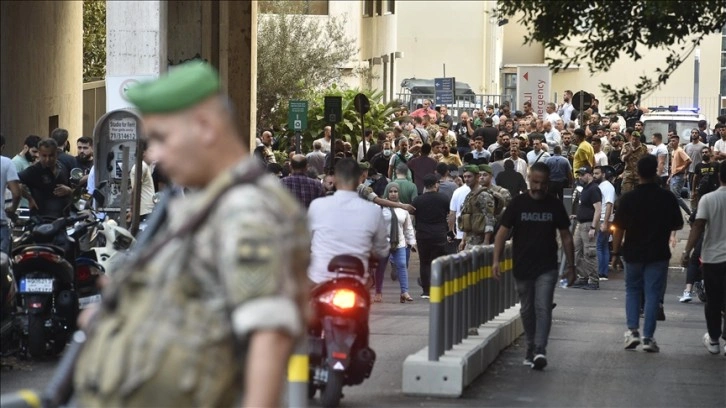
point(584, 221)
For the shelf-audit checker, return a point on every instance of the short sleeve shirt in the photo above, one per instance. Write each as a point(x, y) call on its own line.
point(530, 218)
point(608, 196)
point(41, 181)
point(712, 208)
point(7, 174)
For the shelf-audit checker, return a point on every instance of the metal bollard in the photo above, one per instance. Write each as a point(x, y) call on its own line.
point(448, 302)
point(475, 290)
point(489, 292)
point(457, 300)
point(20, 399)
point(298, 375)
point(436, 314)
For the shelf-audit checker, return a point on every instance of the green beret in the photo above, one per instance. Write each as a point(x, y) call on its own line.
point(471, 169)
point(182, 87)
point(486, 167)
point(364, 166)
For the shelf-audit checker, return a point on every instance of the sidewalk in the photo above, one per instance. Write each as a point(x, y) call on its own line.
point(589, 367)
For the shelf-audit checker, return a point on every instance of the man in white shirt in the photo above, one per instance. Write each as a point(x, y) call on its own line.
point(9, 179)
point(537, 154)
point(719, 148)
point(552, 135)
point(566, 109)
point(551, 115)
point(711, 222)
point(601, 158)
point(367, 140)
point(603, 175)
point(520, 165)
point(457, 202)
point(661, 153)
point(147, 185)
point(325, 140)
point(345, 224)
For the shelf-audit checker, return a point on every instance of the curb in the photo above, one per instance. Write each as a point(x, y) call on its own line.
point(461, 365)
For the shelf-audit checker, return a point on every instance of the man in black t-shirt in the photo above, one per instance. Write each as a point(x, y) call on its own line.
point(645, 216)
point(48, 182)
point(535, 214)
point(432, 210)
point(588, 221)
point(705, 178)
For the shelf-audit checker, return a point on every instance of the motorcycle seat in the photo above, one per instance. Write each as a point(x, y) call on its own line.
point(347, 264)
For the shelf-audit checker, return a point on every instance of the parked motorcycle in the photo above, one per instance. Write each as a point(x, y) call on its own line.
point(338, 342)
point(46, 284)
point(9, 333)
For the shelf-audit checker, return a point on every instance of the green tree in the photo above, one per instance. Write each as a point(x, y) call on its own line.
point(94, 40)
point(604, 30)
point(296, 56)
point(379, 117)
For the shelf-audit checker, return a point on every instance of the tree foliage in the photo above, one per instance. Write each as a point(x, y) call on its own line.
point(94, 40)
point(379, 117)
point(604, 30)
point(296, 55)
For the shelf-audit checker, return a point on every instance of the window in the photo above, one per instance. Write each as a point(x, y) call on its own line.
point(510, 89)
point(379, 7)
point(307, 7)
point(390, 7)
point(368, 8)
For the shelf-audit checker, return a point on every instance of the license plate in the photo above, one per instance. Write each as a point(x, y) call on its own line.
point(36, 285)
point(84, 302)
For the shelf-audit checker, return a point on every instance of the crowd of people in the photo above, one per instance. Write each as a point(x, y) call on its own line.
point(39, 178)
point(475, 168)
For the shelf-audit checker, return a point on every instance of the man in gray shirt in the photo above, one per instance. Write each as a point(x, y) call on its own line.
point(446, 183)
point(316, 158)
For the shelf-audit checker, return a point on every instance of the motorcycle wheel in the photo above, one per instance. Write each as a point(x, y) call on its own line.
point(36, 336)
point(331, 394)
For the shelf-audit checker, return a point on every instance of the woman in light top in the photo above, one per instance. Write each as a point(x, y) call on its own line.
point(401, 236)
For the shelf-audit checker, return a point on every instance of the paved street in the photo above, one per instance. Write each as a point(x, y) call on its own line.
point(588, 366)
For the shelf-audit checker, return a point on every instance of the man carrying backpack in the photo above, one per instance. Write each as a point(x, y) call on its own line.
point(477, 219)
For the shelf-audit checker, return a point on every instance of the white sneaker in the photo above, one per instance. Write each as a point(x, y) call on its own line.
point(686, 297)
point(711, 346)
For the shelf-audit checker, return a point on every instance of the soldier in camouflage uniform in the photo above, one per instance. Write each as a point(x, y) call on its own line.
point(502, 195)
point(207, 313)
point(632, 152)
point(480, 200)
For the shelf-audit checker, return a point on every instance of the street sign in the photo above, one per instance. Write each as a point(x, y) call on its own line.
point(582, 100)
point(444, 89)
point(333, 110)
point(297, 115)
point(362, 104)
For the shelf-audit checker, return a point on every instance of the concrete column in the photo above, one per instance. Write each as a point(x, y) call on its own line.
point(41, 69)
point(136, 44)
point(184, 30)
point(238, 59)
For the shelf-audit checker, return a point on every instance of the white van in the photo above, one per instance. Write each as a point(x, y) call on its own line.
point(665, 118)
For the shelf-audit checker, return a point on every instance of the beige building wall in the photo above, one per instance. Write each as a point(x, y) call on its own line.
point(467, 46)
point(41, 69)
point(625, 72)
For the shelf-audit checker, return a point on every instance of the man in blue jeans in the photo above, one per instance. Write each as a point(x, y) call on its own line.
point(646, 216)
point(536, 214)
point(603, 175)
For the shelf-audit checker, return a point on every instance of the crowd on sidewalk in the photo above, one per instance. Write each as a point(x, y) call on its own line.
point(446, 187)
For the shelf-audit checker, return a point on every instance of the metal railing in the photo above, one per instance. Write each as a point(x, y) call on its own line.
point(464, 103)
point(465, 295)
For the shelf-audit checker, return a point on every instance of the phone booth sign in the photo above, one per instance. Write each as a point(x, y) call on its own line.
point(114, 131)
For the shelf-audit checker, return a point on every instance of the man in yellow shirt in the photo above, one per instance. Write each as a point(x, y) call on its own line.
point(585, 154)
